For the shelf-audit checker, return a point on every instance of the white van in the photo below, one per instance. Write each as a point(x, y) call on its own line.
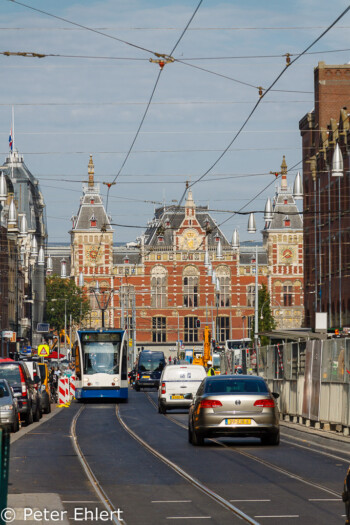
point(176, 381)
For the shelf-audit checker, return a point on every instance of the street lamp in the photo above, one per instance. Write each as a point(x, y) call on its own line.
point(252, 229)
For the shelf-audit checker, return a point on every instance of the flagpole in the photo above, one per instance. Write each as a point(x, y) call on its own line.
point(13, 128)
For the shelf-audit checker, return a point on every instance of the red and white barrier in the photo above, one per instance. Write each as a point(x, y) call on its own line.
point(63, 390)
point(72, 387)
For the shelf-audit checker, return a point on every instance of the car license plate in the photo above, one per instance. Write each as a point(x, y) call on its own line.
point(238, 421)
point(146, 377)
point(177, 397)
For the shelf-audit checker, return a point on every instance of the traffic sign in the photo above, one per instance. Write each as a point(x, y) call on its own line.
point(43, 328)
point(130, 342)
point(43, 350)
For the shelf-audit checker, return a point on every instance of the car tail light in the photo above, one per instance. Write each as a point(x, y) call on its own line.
point(269, 403)
point(210, 403)
point(163, 388)
point(138, 377)
point(23, 382)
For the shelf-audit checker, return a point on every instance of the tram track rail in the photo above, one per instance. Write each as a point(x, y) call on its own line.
point(264, 462)
point(106, 502)
point(185, 475)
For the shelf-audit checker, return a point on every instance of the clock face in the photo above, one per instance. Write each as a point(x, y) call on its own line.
point(286, 255)
point(93, 253)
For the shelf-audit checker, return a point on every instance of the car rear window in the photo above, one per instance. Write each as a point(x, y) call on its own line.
point(42, 369)
point(151, 362)
point(4, 388)
point(10, 372)
point(236, 386)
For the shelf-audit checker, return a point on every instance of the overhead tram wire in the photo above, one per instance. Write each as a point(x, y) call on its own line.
point(149, 102)
point(265, 93)
point(81, 26)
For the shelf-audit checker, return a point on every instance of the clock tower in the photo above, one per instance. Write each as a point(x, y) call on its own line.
point(92, 241)
point(283, 241)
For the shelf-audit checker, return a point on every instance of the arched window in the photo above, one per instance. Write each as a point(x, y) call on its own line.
point(224, 276)
point(159, 277)
point(190, 286)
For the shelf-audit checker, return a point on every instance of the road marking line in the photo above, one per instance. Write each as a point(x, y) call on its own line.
point(325, 499)
point(173, 501)
point(286, 516)
point(79, 501)
point(232, 500)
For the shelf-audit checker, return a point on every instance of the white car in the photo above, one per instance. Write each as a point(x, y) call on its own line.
point(178, 385)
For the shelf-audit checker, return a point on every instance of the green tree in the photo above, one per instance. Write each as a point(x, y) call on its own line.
point(266, 321)
point(64, 296)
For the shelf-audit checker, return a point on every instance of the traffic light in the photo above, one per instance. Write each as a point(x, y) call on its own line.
point(198, 323)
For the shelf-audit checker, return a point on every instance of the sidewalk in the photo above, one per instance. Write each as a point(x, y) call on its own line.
point(38, 508)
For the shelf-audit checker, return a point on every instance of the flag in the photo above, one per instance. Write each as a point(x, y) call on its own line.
point(10, 140)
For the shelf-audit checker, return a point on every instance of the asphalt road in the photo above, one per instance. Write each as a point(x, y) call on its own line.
point(299, 482)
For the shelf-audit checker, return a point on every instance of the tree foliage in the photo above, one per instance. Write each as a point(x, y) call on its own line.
point(266, 321)
point(64, 296)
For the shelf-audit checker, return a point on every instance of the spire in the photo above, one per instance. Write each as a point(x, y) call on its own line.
point(298, 187)
point(189, 201)
point(34, 247)
point(284, 174)
point(268, 210)
point(23, 225)
point(219, 250)
point(3, 188)
point(91, 171)
point(12, 216)
point(41, 256)
point(235, 239)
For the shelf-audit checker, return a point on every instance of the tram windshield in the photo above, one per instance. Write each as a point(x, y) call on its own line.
point(101, 357)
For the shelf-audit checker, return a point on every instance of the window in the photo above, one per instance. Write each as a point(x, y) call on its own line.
point(190, 287)
point(287, 295)
point(159, 329)
point(222, 328)
point(191, 330)
point(223, 274)
point(159, 287)
point(251, 295)
point(127, 293)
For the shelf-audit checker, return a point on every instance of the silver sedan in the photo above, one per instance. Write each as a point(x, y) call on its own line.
point(234, 406)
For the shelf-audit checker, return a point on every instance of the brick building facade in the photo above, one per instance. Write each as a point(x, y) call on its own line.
point(327, 198)
point(162, 287)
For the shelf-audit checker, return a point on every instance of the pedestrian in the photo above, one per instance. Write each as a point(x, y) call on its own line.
point(175, 361)
point(210, 369)
point(169, 360)
point(346, 496)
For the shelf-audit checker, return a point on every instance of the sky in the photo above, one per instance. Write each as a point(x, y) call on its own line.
point(91, 100)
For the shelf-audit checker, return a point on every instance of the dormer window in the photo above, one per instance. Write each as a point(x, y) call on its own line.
point(160, 238)
point(126, 260)
point(93, 222)
point(285, 201)
point(92, 201)
point(217, 238)
point(287, 222)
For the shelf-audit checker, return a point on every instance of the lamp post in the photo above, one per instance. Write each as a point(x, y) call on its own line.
point(338, 171)
point(243, 319)
point(252, 229)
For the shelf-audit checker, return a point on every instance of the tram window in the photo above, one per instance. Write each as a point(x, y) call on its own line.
point(124, 374)
point(101, 358)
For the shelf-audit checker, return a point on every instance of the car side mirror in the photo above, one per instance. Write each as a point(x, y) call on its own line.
point(275, 395)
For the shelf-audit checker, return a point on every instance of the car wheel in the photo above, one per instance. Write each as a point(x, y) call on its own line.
point(137, 388)
point(47, 410)
point(271, 440)
point(36, 416)
point(29, 417)
point(189, 435)
point(161, 409)
point(197, 439)
point(15, 426)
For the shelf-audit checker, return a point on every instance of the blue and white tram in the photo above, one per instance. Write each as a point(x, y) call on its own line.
point(101, 364)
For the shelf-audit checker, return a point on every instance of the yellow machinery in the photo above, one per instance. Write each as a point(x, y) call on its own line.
point(55, 341)
point(202, 359)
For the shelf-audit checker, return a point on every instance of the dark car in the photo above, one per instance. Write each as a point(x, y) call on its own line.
point(8, 407)
point(234, 406)
point(149, 367)
point(17, 375)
